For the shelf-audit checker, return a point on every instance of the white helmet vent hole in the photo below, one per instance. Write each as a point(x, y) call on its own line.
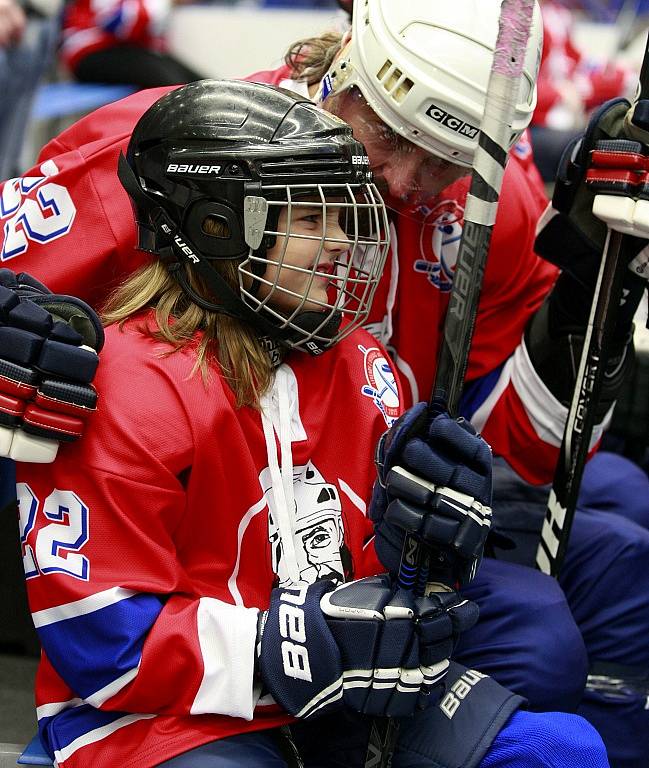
point(394, 81)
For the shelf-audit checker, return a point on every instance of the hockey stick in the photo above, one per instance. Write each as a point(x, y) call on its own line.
point(482, 201)
point(479, 216)
point(578, 430)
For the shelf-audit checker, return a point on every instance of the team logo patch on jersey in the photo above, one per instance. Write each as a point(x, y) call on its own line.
point(381, 385)
point(439, 241)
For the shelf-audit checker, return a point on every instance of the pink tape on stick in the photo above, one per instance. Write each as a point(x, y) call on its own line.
point(513, 32)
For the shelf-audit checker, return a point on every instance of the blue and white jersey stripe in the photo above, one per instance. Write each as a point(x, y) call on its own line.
point(98, 651)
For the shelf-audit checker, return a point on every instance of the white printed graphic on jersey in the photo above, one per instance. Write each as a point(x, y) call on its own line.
point(34, 209)
point(381, 385)
point(318, 531)
point(439, 242)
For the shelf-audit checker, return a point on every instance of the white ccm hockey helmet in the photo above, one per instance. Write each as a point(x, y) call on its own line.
point(423, 67)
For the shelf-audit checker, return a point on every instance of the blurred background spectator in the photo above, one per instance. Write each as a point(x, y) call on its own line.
point(572, 83)
point(121, 41)
point(27, 39)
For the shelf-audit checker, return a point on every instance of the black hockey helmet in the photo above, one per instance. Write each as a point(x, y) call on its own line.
point(240, 153)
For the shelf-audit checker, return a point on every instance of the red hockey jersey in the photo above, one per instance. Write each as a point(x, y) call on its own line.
point(90, 26)
point(69, 222)
point(150, 545)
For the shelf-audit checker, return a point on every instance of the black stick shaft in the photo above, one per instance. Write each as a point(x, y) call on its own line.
point(480, 213)
point(578, 431)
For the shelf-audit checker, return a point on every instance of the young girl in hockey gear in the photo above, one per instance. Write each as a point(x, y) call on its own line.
point(527, 637)
point(206, 545)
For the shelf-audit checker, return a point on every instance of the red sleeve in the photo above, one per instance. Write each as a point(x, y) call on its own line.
point(116, 612)
point(112, 122)
point(518, 415)
point(516, 280)
point(68, 221)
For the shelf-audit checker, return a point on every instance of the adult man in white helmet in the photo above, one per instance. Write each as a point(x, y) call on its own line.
point(409, 69)
point(417, 121)
point(424, 75)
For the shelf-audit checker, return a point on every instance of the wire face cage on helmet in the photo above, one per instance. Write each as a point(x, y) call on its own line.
point(232, 174)
point(319, 278)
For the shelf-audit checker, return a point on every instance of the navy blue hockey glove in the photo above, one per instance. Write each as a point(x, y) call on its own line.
point(48, 358)
point(365, 645)
point(434, 481)
point(611, 158)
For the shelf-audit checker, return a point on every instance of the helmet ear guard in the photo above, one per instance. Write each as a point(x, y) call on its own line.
point(227, 240)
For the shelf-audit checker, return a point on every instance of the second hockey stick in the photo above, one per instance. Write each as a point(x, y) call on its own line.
point(578, 430)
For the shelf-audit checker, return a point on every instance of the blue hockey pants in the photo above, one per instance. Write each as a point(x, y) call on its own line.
point(605, 578)
point(528, 740)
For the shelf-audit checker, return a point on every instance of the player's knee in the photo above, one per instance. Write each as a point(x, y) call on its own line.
point(613, 483)
point(607, 581)
point(609, 548)
point(634, 550)
point(554, 655)
point(546, 740)
point(623, 553)
point(558, 658)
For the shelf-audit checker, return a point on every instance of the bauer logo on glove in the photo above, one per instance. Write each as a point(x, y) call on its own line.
point(49, 348)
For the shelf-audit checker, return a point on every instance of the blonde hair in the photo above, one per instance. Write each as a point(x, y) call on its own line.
point(310, 59)
point(244, 363)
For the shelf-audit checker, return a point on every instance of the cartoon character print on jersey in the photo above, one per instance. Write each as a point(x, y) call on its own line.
point(381, 385)
point(34, 209)
point(318, 529)
point(439, 241)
